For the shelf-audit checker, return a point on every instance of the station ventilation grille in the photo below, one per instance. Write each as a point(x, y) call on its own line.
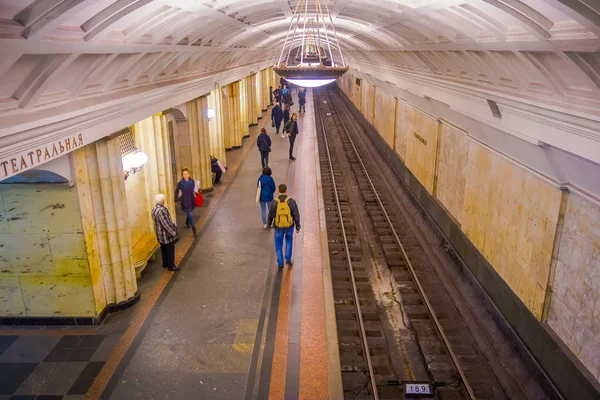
point(127, 142)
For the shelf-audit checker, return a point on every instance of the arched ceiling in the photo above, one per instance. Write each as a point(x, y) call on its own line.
point(61, 56)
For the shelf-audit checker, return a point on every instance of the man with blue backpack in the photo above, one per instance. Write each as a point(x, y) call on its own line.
point(285, 215)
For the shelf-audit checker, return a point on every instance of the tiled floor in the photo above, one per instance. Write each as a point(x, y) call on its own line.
point(50, 367)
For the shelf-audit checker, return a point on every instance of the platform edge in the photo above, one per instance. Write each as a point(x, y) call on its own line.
point(336, 389)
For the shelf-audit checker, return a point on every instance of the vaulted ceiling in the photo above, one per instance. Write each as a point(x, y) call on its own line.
point(61, 56)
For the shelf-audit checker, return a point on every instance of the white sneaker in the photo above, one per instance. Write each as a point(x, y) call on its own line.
point(283, 136)
point(265, 226)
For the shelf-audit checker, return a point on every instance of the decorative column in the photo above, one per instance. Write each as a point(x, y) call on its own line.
point(243, 109)
point(152, 137)
point(103, 202)
point(236, 108)
point(226, 115)
point(200, 139)
point(217, 147)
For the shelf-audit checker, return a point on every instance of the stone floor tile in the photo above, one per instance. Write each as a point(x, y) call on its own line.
point(52, 378)
point(29, 349)
point(6, 342)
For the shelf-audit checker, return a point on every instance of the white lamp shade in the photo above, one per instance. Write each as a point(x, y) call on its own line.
point(134, 160)
point(310, 82)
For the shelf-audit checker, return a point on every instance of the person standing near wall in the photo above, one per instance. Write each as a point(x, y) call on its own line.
point(166, 232)
point(284, 212)
point(291, 128)
point(286, 118)
point(277, 95)
point(186, 187)
point(263, 142)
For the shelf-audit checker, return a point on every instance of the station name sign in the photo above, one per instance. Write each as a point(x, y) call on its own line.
point(16, 164)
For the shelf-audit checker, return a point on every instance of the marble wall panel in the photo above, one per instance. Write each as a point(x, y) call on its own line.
point(137, 206)
point(68, 254)
point(58, 296)
point(451, 172)
point(41, 208)
point(3, 217)
point(385, 116)
point(402, 129)
point(11, 298)
point(422, 133)
point(574, 312)
point(25, 254)
point(511, 216)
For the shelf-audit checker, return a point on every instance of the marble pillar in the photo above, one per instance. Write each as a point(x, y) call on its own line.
point(103, 202)
point(200, 140)
point(216, 126)
point(226, 115)
point(241, 126)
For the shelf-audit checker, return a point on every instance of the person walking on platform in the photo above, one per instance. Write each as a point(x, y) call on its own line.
point(284, 213)
point(166, 232)
point(277, 117)
point(186, 187)
point(270, 95)
point(277, 95)
point(286, 118)
point(291, 128)
point(301, 100)
point(265, 189)
point(264, 146)
point(287, 97)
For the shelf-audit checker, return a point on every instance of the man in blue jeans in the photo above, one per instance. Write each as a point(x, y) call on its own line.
point(285, 215)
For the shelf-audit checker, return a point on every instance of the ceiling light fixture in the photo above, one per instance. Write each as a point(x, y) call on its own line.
point(315, 62)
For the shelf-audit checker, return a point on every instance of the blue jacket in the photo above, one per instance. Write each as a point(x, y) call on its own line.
point(267, 188)
point(276, 114)
point(187, 194)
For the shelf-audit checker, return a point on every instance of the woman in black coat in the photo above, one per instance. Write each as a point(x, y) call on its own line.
point(186, 187)
point(263, 142)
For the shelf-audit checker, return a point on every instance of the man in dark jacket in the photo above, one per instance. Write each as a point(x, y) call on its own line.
point(301, 100)
point(263, 142)
point(291, 128)
point(287, 97)
point(284, 212)
point(277, 95)
point(214, 167)
point(276, 117)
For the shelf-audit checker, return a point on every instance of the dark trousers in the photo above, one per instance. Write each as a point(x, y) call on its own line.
point(292, 140)
point(167, 251)
point(302, 107)
point(277, 126)
point(218, 173)
point(264, 158)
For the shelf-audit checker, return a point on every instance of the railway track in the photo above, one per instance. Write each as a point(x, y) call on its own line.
point(457, 363)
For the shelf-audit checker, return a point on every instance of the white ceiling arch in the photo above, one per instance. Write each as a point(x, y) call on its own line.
point(60, 52)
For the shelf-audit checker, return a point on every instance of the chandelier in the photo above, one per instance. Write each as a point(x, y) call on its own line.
point(309, 58)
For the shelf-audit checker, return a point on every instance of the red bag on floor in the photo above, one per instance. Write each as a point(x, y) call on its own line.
point(199, 200)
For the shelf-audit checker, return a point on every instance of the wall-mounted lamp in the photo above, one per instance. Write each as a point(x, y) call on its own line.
point(210, 113)
point(132, 159)
point(134, 162)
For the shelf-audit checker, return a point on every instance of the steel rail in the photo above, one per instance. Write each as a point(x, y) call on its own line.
point(361, 324)
point(411, 269)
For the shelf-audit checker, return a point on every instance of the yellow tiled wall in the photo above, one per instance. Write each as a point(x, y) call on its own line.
point(385, 116)
point(139, 217)
point(451, 171)
point(511, 216)
point(421, 145)
point(575, 307)
point(368, 100)
point(43, 263)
